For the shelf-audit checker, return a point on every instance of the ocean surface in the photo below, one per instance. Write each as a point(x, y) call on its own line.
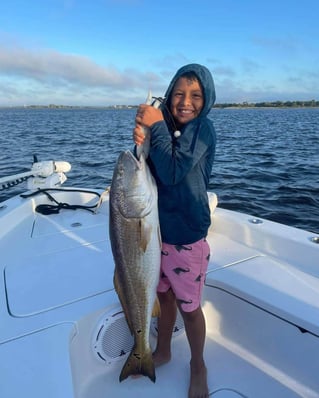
point(266, 165)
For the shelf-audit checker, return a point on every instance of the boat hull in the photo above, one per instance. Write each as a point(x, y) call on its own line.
point(59, 310)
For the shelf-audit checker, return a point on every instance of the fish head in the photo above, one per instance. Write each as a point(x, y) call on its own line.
point(133, 187)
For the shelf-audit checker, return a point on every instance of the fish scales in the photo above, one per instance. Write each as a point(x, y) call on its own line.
point(136, 247)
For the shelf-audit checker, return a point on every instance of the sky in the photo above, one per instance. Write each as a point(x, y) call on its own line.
point(111, 52)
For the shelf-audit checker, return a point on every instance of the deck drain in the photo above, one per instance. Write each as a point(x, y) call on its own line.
point(76, 224)
point(256, 221)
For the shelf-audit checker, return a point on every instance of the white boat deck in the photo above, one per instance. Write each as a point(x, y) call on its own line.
point(279, 288)
point(261, 304)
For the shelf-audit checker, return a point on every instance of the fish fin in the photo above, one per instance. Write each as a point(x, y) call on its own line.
point(139, 364)
point(156, 308)
point(145, 234)
point(116, 282)
point(120, 294)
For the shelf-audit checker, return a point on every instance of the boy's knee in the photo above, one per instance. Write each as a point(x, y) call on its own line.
point(191, 316)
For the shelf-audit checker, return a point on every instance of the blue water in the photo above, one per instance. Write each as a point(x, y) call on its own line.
point(267, 160)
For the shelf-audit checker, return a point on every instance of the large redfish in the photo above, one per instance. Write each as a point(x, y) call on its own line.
point(136, 247)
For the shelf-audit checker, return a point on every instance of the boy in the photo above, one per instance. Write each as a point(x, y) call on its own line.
point(181, 156)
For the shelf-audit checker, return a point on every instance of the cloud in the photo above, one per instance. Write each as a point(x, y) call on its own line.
point(278, 45)
point(227, 71)
point(171, 62)
point(52, 66)
point(291, 89)
point(250, 66)
point(42, 76)
point(55, 75)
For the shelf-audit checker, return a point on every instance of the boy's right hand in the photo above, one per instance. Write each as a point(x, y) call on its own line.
point(147, 115)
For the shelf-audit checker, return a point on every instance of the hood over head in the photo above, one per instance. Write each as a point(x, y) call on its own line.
point(206, 80)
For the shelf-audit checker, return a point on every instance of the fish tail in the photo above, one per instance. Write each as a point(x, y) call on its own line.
point(139, 364)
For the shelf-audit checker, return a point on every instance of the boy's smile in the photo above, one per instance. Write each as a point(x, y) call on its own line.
point(187, 100)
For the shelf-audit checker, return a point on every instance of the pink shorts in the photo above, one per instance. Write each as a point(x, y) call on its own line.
point(183, 269)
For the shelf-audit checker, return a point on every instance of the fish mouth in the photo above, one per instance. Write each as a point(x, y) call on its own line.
point(128, 156)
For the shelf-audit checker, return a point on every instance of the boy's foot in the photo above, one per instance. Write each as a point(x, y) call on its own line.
point(198, 387)
point(160, 359)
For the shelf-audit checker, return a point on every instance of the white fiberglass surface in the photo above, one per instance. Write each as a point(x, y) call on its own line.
point(37, 365)
point(248, 353)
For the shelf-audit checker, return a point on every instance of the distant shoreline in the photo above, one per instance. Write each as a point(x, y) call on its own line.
point(272, 104)
point(243, 105)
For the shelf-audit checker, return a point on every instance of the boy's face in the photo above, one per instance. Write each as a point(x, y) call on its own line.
point(187, 100)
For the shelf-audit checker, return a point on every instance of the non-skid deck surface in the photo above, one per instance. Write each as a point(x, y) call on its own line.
point(229, 375)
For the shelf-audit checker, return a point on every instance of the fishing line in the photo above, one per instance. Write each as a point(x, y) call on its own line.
point(171, 120)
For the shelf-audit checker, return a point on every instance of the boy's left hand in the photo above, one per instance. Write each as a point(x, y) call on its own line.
point(138, 135)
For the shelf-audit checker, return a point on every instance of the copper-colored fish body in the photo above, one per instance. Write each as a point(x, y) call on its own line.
point(136, 247)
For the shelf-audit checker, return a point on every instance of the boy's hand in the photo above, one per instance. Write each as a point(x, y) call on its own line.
point(138, 135)
point(147, 115)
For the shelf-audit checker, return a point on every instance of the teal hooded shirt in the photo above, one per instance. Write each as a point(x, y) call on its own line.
point(182, 166)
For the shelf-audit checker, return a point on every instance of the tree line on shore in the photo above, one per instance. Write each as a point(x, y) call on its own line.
point(273, 104)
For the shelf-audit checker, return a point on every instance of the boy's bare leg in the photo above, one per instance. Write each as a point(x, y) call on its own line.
point(196, 333)
point(166, 322)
